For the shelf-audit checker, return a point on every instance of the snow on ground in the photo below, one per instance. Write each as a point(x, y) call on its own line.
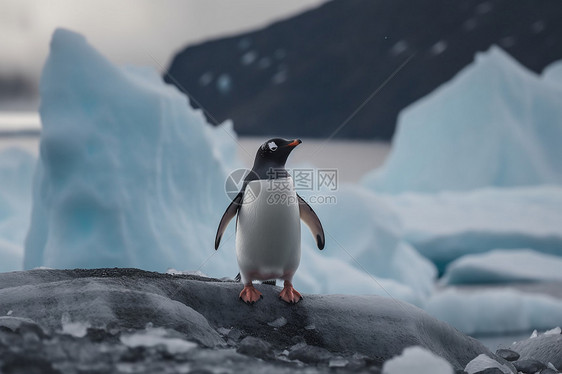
point(16, 173)
point(417, 360)
point(494, 124)
point(495, 311)
point(502, 266)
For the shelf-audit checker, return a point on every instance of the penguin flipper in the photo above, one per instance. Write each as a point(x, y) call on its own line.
point(312, 221)
point(228, 215)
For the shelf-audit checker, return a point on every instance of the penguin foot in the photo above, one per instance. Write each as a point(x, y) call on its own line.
point(289, 294)
point(250, 295)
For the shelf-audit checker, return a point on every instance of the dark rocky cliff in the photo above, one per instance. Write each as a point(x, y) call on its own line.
point(305, 75)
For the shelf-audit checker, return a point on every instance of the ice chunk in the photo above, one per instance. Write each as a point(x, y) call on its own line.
point(129, 175)
point(483, 362)
point(504, 266)
point(447, 225)
point(78, 329)
point(494, 124)
point(554, 331)
point(495, 311)
point(157, 336)
point(16, 174)
point(417, 360)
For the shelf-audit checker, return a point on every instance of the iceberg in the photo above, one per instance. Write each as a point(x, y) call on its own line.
point(495, 311)
point(503, 266)
point(128, 175)
point(447, 225)
point(494, 124)
point(16, 174)
point(365, 233)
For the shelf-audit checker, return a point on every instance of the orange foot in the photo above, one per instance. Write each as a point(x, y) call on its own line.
point(250, 295)
point(289, 294)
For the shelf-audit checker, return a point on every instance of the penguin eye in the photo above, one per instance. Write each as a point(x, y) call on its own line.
point(272, 146)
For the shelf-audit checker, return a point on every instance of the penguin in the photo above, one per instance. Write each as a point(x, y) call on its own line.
point(268, 236)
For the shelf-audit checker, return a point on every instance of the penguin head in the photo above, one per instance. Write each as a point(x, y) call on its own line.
point(274, 152)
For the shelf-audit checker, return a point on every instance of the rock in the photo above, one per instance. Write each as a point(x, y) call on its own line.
point(310, 354)
point(22, 326)
point(484, 362)
point(508, 354)
point(255, 347)
point(121, 299)
point(490, 371)
point(338, 362)
point(529, 366)
point(544, 348)
point(548, 371)
point(279, 322)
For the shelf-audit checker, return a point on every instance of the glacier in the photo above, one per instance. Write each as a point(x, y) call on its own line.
point(129, 175)
point(494, 124)
point(16, 174)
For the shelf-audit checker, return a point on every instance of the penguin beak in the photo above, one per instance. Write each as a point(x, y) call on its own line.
point(294, 143)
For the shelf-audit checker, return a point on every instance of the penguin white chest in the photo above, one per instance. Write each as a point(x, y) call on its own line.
point(268, 233)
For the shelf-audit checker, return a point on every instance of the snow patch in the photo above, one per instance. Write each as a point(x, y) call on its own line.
point(78, 329)
point(205, 79)
point(438, 48)
point(224, 83)
point(248, 57)
point(554, 331)
point(399, 48)
point(152, 337)
point(279, 77)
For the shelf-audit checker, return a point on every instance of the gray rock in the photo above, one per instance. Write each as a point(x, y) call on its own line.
point(548, 371)
point(490, 371)
point(255, 347)
point(545, 348)
point(529, 366)
point(374, 326)
point(310, 354)
point(508, 354)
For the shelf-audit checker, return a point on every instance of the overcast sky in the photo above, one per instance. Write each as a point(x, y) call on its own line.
point(128, 31)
